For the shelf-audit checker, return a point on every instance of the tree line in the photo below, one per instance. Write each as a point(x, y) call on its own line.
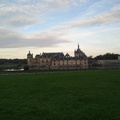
point(107, 56)
point(13, 61)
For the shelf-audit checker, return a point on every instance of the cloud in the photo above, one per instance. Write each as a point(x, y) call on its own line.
point(108, 17)
point(22, 13)
point(26, 12)
point(21, 20)
point(10, 38)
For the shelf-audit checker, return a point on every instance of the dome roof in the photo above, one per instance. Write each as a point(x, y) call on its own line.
point(67, 54)
point(37, 56)
point(29, 53)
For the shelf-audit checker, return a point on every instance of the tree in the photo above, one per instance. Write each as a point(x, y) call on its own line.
point(107, 56)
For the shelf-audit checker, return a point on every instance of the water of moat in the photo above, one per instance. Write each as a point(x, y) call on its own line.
point(90, 68)
point(13, 70)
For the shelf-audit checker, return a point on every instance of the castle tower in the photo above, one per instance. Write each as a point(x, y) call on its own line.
point(29, 58)
point(78, 46)
point(78, 52)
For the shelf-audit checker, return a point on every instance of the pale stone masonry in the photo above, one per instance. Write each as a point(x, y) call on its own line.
point(57, 60)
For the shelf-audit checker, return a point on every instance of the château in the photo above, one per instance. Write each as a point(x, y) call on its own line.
point(57, 60)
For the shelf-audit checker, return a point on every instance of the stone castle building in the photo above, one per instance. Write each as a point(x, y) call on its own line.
point(57, 60)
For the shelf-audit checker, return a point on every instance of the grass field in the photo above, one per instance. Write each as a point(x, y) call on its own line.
point(85, 95)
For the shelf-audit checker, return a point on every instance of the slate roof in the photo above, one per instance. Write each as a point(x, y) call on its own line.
point(60, 56)
point(29, 54)
point(78, 51)
point(54, 55)
point(38, 56)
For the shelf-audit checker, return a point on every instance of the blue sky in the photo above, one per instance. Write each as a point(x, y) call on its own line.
point(58, 26)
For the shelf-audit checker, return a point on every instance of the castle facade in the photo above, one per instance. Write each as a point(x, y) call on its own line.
point(57, 60)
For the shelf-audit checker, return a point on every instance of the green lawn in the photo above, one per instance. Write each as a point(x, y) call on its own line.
point(85, 95)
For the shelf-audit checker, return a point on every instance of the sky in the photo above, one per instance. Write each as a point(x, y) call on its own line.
point(58, 26)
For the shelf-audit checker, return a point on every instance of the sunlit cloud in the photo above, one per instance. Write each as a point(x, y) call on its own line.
point(14, 39)
point(111, 16)
point(32, 11)
point(55, 24)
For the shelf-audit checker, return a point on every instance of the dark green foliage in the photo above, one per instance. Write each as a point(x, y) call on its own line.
point(85, 95)
point(26, 67)
point(13, 61)
point(107, 56)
